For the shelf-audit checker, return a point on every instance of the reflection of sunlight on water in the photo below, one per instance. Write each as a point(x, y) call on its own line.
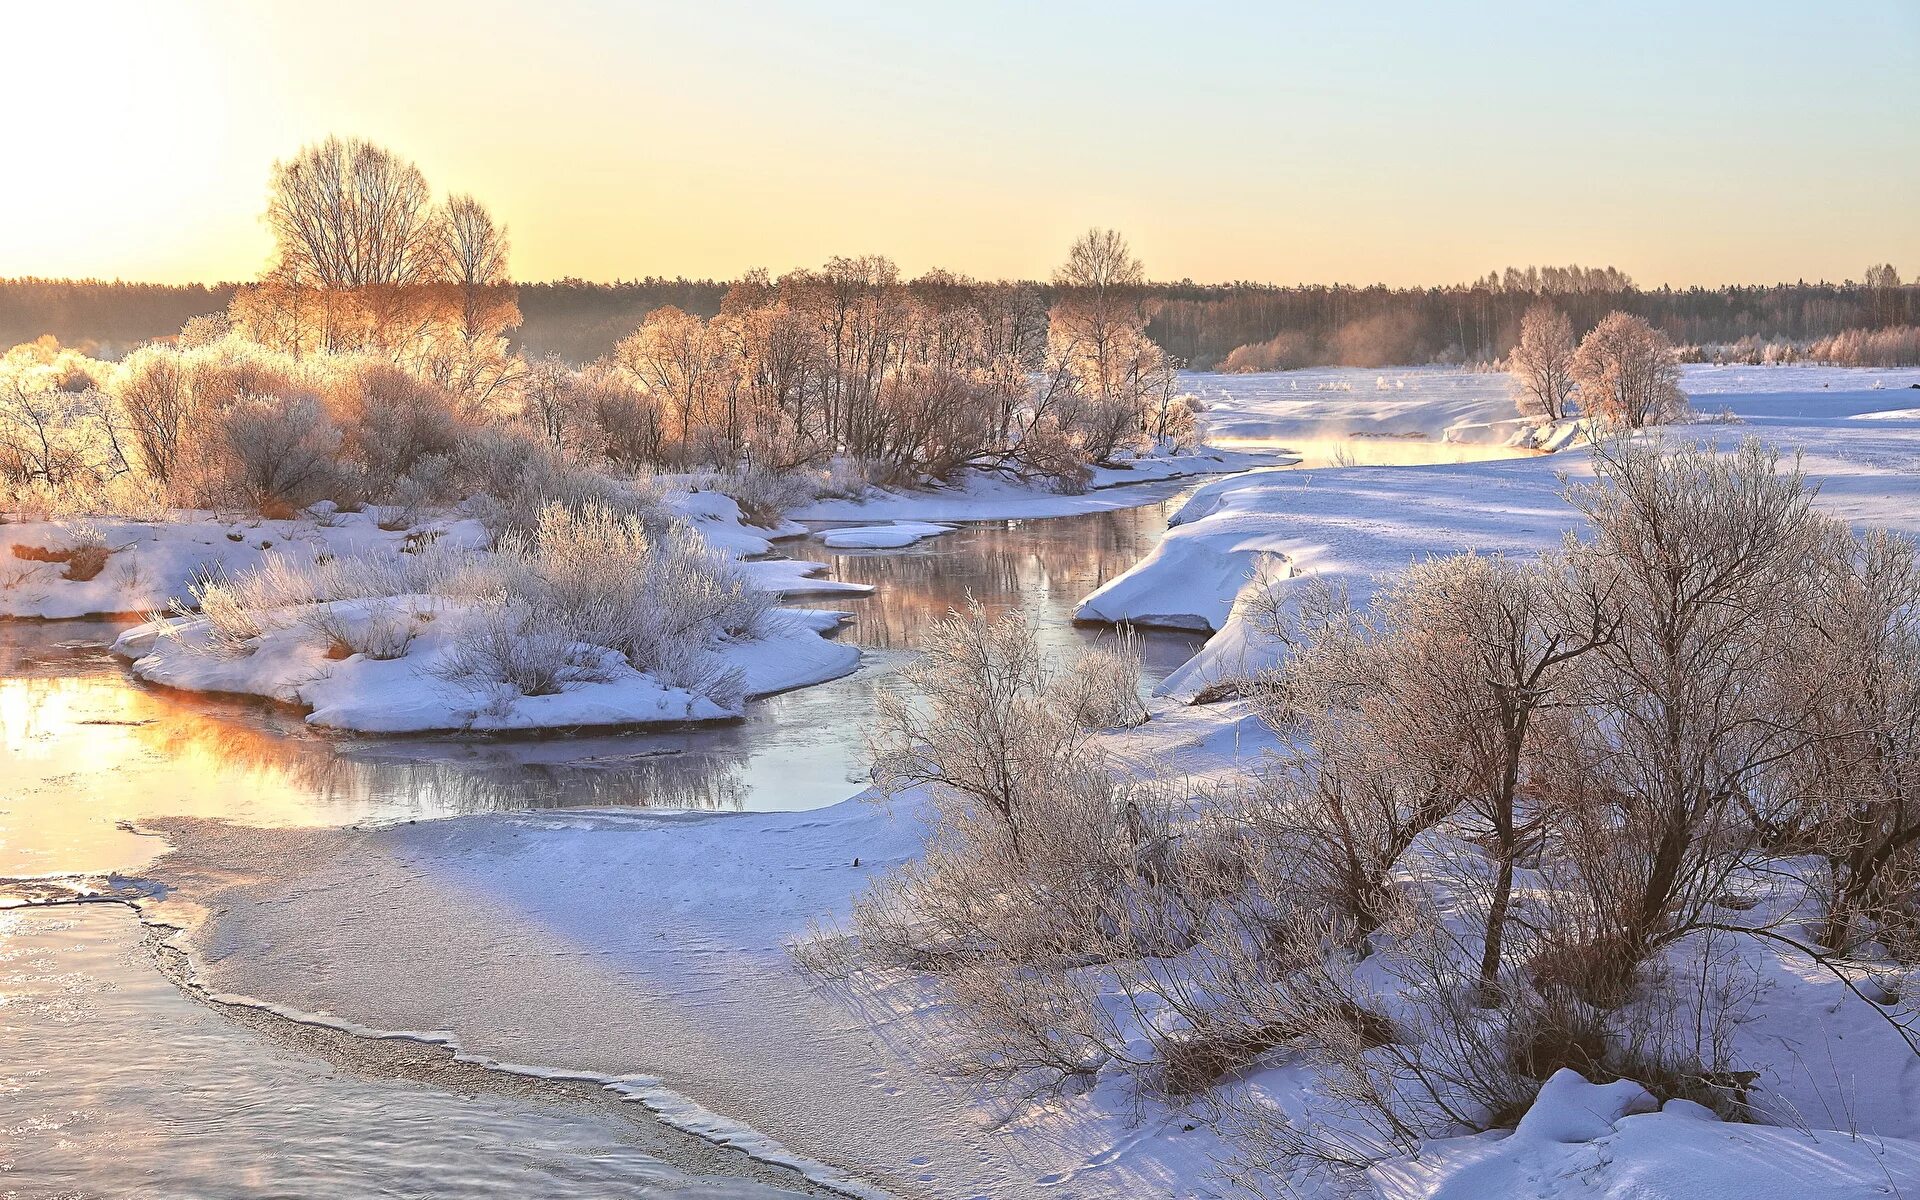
point(86, 749)
point(165, 1096)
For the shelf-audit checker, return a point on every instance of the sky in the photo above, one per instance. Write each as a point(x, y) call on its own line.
point(1405, 143)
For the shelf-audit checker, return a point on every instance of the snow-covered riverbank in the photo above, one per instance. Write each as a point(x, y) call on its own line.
point(1856, 433)
point(654, 944)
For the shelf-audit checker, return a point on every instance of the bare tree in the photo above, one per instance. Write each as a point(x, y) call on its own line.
point(1542, 363)
point(346, 213)
point(684, 362)
point(1702, 560)
point(1102, 300)
point(1889, 303)
point(155, 398)
point(470, 252)
point(1858, 784)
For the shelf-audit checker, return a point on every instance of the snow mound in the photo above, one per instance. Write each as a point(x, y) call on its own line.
point(1351, 525)
point(410, 693)
point(1608, 1142)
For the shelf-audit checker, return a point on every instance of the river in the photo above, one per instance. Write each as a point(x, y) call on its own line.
point(120, 1081)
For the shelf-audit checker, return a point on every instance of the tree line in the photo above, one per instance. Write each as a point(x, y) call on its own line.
point(377, 343)
point(1230, 326)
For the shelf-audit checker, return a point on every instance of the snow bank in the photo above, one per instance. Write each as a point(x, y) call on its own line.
point(1612, 1142)
point(409, 693)
point(718, 518)
point(152, 564)
point(984, 497)
point(1353, 524)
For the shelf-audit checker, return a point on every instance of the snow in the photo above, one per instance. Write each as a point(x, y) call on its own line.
point(1293, 408)
point(409, 694)
point(153, 563)
point(1592, 1142)
point(612, 943)
point(617, 945)
point(1353, 524)
point(979, 496)
point(718, 518)
point(891, 536)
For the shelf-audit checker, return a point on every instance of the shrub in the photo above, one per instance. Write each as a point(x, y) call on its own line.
point(763, 496)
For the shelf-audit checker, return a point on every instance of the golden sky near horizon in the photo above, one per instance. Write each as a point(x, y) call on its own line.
point(1709, 142)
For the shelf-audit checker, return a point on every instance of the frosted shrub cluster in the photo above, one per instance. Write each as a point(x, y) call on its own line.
point(588, 580)
point(585, 589)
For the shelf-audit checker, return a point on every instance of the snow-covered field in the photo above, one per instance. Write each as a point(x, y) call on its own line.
point(625, 945)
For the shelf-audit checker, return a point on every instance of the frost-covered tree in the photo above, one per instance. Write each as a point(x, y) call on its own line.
point(1628, 373)
point(1542, 363)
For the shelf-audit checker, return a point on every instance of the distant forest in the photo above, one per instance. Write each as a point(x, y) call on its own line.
point(1238, 326)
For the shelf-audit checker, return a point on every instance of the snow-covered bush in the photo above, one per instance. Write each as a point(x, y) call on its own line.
point(509, 479)
point(585, 588)
point(281, 455)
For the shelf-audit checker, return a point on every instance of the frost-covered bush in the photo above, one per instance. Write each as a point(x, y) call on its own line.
point(570, 600)
point(279, 455)
point(510, 478)
point(392, 423)
point(658, 595)
point(284, 592)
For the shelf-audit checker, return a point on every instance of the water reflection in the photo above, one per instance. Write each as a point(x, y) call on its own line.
point(1041, 567)
point(88, 751)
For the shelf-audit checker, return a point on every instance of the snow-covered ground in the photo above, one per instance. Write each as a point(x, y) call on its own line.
point(1327, 404)
point(1858, 435)
point(987, 497)
point(621, 944)
point(151, 564)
